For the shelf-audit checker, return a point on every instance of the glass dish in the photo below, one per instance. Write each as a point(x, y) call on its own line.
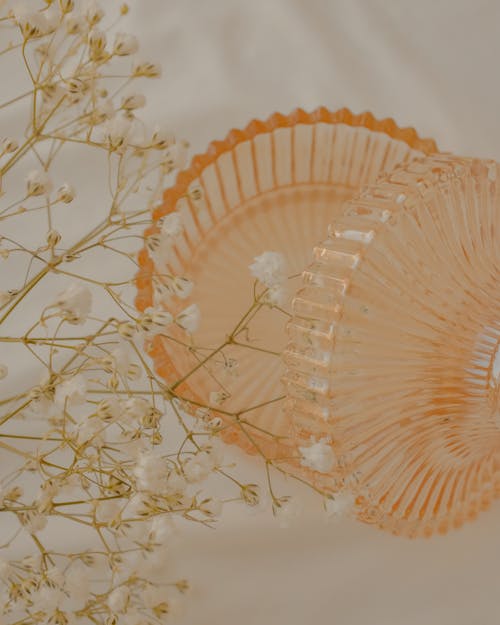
point(274, 186)
point(394, 350)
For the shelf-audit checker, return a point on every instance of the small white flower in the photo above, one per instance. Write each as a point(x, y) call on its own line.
point(146, 69)
point(32, 23)
point(75, 302)
point(4, 371)
point(161, 138)
point(318, 456)
point(52, 18)
point(154, 319)
point(55, 576)
point(109, 409)
point(176, 483)
point(97, 44)
point(108, 511)
point(33, 521)
point(161, 318)
point(276, 295)
point(182, 287)
point(189, 318)
point(75, 24)
point(162, 529)
point(116, 133)
point(340, 504)
point(176, 155)
point(71, 392)
point(102, 112)
point(125, 44)
point(171, 225)
point(133, 101)
point(91, 430)
point(269, 268)
point(47, 599)
point(38, 183)
point(66, 5)
point(46, 493)
point(93, 12)
point(77, 582)
point(120, 360)
point(150, 472)
point(134, 409)
point(118, 599)
point(65, 193)
point(198, 467)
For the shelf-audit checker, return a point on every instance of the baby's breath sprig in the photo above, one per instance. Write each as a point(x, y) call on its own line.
point(100, 462)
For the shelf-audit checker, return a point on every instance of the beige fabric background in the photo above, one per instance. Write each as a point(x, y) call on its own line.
point(428, 63)
point(432, 64)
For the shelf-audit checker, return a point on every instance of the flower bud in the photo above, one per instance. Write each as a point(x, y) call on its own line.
point(76, 86)
point(152, 418)
point(145, 323)
point(250, 494)
point(161, 139)
point(153, 242)
point(65, 193)
point(113, 382)
point(53, 238)
point(94, 13)
point(127, 330)
point(9, 145)
point(133, 101)
point(66, 6)
point(75, 24)
point(134, 372)
point(117, 132)
point(161, 318)
point(146, 69)
point(125, 44)
point(38, 183)
point(97, 44)
point(195, 194)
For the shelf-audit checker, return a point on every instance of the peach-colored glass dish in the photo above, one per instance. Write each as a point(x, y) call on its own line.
point(394, 347)
point(274, 186)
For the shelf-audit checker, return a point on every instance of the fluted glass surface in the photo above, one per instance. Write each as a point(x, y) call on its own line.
point(274, 186)
point(394, 349)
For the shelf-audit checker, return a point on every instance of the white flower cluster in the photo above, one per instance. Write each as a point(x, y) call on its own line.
point(99, 453)
point(318, 456)
point(109, 444)
point(269, 268)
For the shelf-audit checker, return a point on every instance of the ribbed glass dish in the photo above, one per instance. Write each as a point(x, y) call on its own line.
point(394, 348)
point(274, 186)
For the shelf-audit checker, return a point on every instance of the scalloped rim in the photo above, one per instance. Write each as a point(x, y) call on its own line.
point(257, 127)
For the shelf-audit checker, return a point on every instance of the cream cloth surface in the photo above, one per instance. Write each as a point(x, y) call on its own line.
point(432, 64)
